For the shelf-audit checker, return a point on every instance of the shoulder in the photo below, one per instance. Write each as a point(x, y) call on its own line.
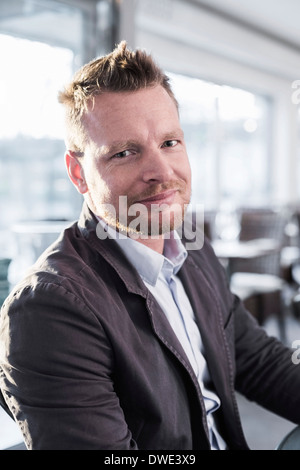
point(58, 276)
point(206, 272)
point(205, 258)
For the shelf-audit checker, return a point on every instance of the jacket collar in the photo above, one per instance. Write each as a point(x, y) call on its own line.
point(199, 288)
point(91, 230)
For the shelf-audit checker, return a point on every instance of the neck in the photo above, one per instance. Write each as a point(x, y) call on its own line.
point(155, 243)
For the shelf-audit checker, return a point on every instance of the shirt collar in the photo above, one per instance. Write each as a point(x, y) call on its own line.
point(148, 263)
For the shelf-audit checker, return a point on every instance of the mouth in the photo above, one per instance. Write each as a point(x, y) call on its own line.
point(165, 197)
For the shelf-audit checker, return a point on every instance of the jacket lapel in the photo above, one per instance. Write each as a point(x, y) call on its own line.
point(205, 300)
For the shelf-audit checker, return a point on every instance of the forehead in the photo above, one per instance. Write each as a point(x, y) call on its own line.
point(125, 112)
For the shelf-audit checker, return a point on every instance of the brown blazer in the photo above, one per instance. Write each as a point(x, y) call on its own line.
point(89, 361)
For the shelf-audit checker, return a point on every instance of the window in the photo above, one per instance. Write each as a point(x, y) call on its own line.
point(227, 133)
point(42, 43)
point(36, 61)
point(34, 183)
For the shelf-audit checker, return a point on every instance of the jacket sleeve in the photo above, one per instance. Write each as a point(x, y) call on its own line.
point(56, 373)
point(265, 371)
point(263, 368)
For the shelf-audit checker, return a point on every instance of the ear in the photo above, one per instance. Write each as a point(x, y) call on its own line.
point(75, 172)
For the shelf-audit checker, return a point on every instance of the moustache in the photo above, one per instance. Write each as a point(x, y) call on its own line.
point(157, 189)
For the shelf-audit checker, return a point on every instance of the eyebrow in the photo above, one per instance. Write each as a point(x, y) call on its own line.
point(119, 145)
point(174, 134)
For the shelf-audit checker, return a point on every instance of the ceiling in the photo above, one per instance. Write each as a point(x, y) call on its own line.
point(279, 19)
point(39, 21)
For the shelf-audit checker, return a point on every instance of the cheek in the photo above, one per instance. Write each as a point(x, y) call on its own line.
point(122, 181)
point(97, 187)
point(184, 170)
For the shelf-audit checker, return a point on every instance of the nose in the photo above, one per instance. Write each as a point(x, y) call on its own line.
point(157, 167)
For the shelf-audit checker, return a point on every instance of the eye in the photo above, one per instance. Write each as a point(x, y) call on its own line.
point(170, 143)
point(123, 154)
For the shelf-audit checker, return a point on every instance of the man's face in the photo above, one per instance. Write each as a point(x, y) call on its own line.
point(136, 150)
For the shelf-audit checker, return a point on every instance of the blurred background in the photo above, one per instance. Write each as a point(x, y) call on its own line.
point(235, 69)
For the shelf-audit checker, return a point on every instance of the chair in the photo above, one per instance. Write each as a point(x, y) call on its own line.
point(262, 224)
point(291, 441)
point(258, 281)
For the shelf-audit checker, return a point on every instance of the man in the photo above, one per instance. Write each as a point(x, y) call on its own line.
point(119, 337)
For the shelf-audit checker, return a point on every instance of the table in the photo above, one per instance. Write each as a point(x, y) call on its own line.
point(237, 249)
point(249, 284)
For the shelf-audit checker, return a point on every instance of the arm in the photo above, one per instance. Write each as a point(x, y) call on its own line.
point(265, 370)
point(57, 373)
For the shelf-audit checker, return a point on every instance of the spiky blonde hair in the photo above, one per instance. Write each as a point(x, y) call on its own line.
point(121, 70)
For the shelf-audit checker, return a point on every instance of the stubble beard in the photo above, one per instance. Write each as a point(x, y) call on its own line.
point(136, 220)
